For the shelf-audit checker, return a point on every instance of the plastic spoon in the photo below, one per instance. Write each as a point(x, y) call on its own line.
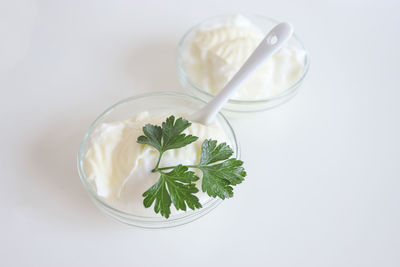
point(268, 46)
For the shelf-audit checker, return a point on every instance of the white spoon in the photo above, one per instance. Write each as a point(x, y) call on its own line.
point(268, 46)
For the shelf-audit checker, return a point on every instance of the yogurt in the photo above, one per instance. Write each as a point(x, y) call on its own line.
point(217, 50)
point(120, 168)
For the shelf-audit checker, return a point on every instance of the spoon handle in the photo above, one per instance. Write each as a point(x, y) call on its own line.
point(268, 46)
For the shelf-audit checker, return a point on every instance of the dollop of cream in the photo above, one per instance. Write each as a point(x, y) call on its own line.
point(120, 168)
point(218, 50)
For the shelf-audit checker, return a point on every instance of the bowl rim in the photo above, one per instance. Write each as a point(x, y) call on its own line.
point(194, 214)
point(281, 95)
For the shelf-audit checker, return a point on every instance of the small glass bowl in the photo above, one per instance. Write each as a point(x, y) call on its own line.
point(160, 102)
point(234, 106)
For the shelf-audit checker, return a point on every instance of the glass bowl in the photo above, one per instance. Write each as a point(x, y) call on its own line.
point(153, 102)
point(234, 106)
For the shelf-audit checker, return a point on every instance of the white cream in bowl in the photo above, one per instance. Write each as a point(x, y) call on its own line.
point(217, 50)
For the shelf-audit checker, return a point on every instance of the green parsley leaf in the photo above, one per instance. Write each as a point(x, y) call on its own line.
point(167, 137)
point(175, 187)
point(211, 153)
point(218, 178)
point(171, 133)
point(152, 136)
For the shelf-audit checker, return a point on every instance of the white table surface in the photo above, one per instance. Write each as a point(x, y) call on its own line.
point(323, 183)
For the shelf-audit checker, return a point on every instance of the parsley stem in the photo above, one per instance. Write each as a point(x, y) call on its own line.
point(158, 162)
point(167, 168)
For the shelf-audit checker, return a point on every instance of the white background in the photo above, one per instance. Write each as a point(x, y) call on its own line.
point(323, 183)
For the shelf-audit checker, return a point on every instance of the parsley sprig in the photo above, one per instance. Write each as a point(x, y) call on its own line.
point(177, 187)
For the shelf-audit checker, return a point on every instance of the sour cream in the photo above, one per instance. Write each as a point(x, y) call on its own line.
point(120, 168)
point(217, 50)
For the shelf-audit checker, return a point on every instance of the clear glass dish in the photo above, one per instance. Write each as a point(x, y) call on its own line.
point(127, 108)
point(240, 106)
